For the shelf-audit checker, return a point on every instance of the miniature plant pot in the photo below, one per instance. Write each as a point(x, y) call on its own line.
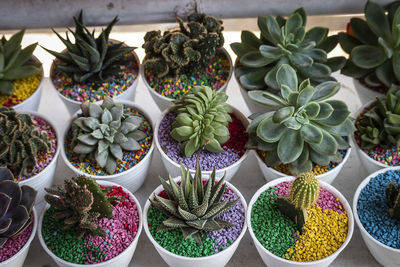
point(164, 102)
point(219, 259)
point(385, 255)
point(132, 178)
point(364, 93)
point(121, 260)
point(18, 259)
point(272, 260)
point(173, 168)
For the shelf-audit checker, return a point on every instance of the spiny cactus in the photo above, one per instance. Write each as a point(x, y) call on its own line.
point(193, 207)
point(285, 42)
point(15, 63)
point(20, 142)
point(393, 200)
point(305, 126)
point(16, 204)
point(79, 202)
point(90, 59)
point(202, 120)
point(105, 131)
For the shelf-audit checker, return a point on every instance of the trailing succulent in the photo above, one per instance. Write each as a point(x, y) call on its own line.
point(103, 132)
point(202, 120)
point(15, 62)
point(16, 204)
point(304, 192)
point(383, 123)
point(304, 128)
point(191, 206)
point(79, 202)
point(90, 59)
point(186, 50)
point(20, 142)
point(374, 46)
point(393, 200)
point(285, 42)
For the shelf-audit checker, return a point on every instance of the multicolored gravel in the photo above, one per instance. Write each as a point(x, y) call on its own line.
point(23, 89)
point(15, 244)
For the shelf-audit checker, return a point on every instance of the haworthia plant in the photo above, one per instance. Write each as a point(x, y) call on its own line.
point(393, 200)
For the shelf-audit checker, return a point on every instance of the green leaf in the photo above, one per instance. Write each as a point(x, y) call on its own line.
point(263, 26)
point(274, 29)
point(294, 21)
point(328, 145)
point(362, 32)
point(312, 109)
point(325, 111)
point(286, 75)
point(396, 63)
point(301, 60)
point(385, 73)
point(319, 159)
point(350, 69)
point(325, 90)
point(254, 80)
point(213, 146)
point(305, 95)
point(6, 88)
point(395, 24)
point(329, 43)
point(316, 54)
point(386, 48)
point(348, 42)
point(339, 115)
point(21, 72)
point(271, 52)
point(255, 59)
point(336, 63)
point(240, 49)
point(377, 20)
point(1, 60)
point(248, 38)
point(367, 56)
point(25, 55)
point(13, 44)
point(316, 34)
point(316, 71)
point(270, 132)
point(266, 98)
point(311, 134)
point(290, 146)
point(283, 114)
point(344, 129)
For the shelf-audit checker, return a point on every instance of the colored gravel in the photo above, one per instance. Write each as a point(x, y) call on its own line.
point(15, 244)
point(120, 230)
point(373, 210)
point(129, 159)
point(215, 76)
point(234, 147)
point(23, 89)
point(213, 242)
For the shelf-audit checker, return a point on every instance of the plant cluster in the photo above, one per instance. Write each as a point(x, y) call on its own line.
point(393, 200)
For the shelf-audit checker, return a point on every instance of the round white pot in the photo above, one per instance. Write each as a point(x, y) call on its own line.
point(129, 93)
point(385, 255)
point(174, 168)
point(164, 102)
point(272, 260)
point(132, 178)
point(18, 259)
point(122, 260)
point(364, 93)
point(216, 260)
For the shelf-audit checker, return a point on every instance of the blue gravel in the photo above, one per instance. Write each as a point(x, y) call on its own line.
point(373, 210)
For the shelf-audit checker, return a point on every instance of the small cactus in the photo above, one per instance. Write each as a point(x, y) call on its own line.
point(393, 200)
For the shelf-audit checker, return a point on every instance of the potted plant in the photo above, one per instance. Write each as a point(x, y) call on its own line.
point(18, 219)
point(376, 212)
point(111, 141)
point(202, 121)
point(299, 221)
point(181, 58)
point(90, 223)
point(29, 148)
point(304, 132)
point(372, 45)
point(93, 68)
point(283, 42)
point(21, 74)
point(377, 132)
point(195, 221)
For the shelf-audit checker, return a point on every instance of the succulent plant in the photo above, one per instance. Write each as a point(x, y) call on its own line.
point(79, 202)
point(15, 63)
point(285, 42)
point(305, 126)
point(383, 125)
point(186, 50)
point(373, 45)
point(16, 204)
point(20, 141)
point(103, 132)
point(202, 120)
point(90, 59)
point(193, 207)
point(393, 200)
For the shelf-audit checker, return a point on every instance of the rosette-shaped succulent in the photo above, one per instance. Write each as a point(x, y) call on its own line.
point(90, 59)
point(20, 142)
point(305, 128)
point(105, 131)
point(202, 120)
point(285, 42)
point(393, 200)
point(16, 204)
point(193, 207)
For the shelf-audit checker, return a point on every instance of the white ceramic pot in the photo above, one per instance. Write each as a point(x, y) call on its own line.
point(121, 260)
point(216, 260)
point(132, 178)
point(174, 168)
point(129, 94)
point(364, 93)
point(272, 260)
point(385, 255)
point(164, 102)
point(18, 259)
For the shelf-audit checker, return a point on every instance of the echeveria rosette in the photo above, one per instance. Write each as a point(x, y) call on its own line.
point(305, 126)
point(374, 46)
point(285, 42)
point(202, 120)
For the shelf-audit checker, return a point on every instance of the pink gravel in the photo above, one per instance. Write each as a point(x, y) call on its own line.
point(15, 244)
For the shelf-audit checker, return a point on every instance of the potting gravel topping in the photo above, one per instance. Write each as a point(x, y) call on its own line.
point(375, 209)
